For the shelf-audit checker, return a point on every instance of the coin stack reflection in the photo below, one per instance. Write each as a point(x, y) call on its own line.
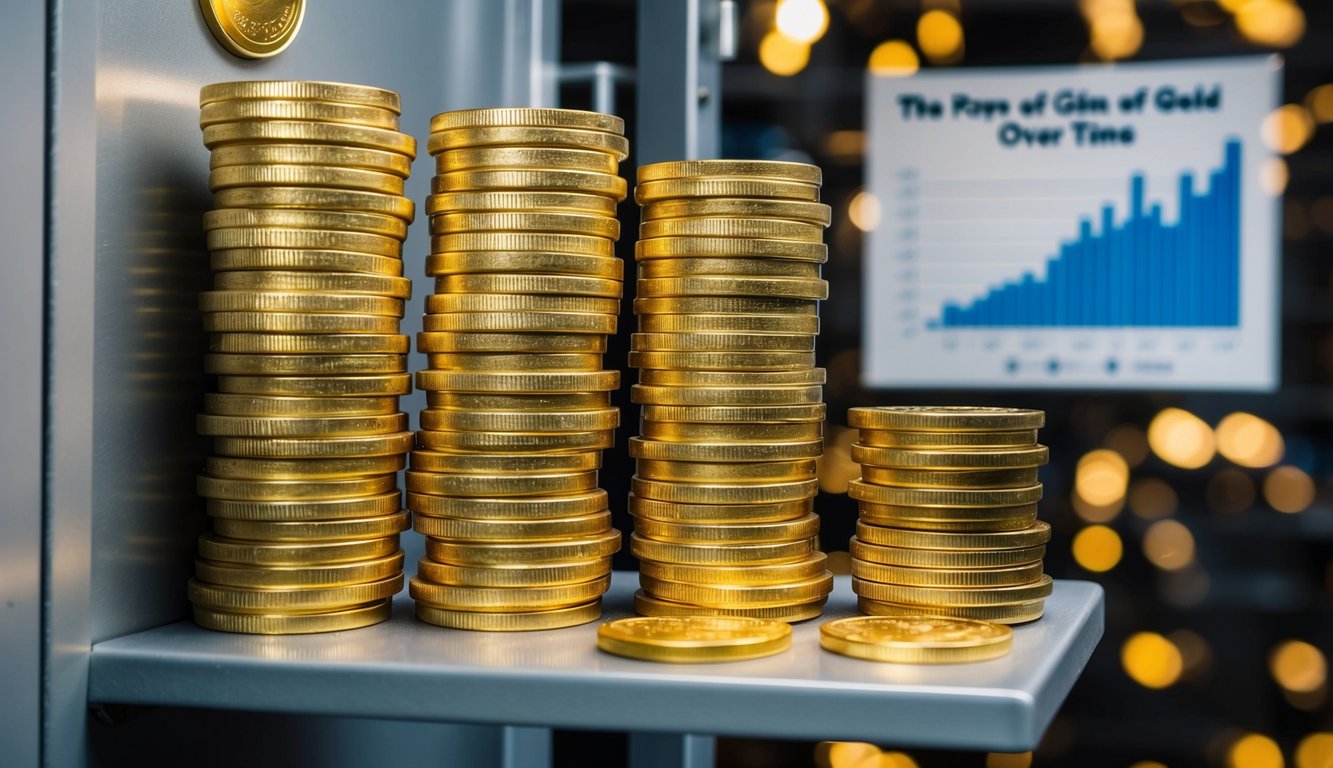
point(948, 513)
point(306, 246)
point(503, 480)
point(732, 414)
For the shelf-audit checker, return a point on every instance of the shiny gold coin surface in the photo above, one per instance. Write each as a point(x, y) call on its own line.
point(947, 441)
point(739, 472)
point(789, 210)
point(916, 639)
point(945, 558)
point(893, 537)
point(326, 155)
point(1029, 456)
point(293, 624)
point(732, 379)
point(725, 305)
point(757, 396)
point(253, 30)
point(460, 529)
point(223, 550)
point(720, 493)
point(317, 198)
point(448, 342)
point(516, 442)
point(518, 382)
point(716, 452)
point(723, 361)
point(870, 511)
point(717, 267)
point(337, 221)
point(313, 447)
point(316, 282)
point(507, 599)
point(499, 362)
point(573, 285)
point(739, 595)
point(946, 418)
point(525, 262)
point(303, 511)
point(715, 554)
point(667, 431)
point(307, 260)
point(309, 343)
point(962, 597)
point(767, 169)
point(729, 247)
point(484, 401)
point(258, 405)
point(510, 507)
point(649, 605)
point(721, 342)
point(801, 528)
point(520, 421)
point(291, 601)
point(301, 469)
point(725, 323)
point(747, 575)
point(525, 552)
point(237, 176)
point(379, 526)
point(943, 497)
point(954, 526)
point(302, 365)
point(276, 301)
point(1018, 613)
point(673, 512)
point(317, 386)
point(437, 484)
point(526, 157)
point(947, 577)
point(693, 639)
point(569, 202)
point(307, 132)
point(604, 184)
point(522, 322)
point(502, 464)
point(761, 228)
point(1022, 477)
point(666, 189)
point(528, 136)
point(299, 322)
point(543, 117)
point(544, 575)
point(312, 90)
point(711, 285)
point(300, 426)
point(290, 577)
point(443, 303)
point(293, 490)
point(235, 110)
point(523, 621)
point(567, 223)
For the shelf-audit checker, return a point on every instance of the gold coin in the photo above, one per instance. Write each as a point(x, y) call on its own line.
point(747, 532)
point(747, 575)
point(303, 259)
point(648, 605)
point(945, 558)
point(526, 157)
point(737, 472)
point(545, 117)
point(519, 383)
point(564, 362)
point(693, 639)
point(321, 155)
point(317, 386)
point(954, 526)
point(308, 132)
point(947, 577)
point(666, 189)
point(253, 30)
point(1027, 456)
point(507, 599)
point(650, 395)
point(694, 267)
point(376, 527)
point(993, 540)
point(720, 554)
point(721, 342)
point(544, 575)
point(671, 431)
point(291, 601)
point(566, 223)
point(516, 442)
point(789, 210)
point(304, 511)
point(315, 282)
point(961, 597)
point(527, 136)
point(1017, 613)
point(728, 323)
point(735, 414)
point(336, 221)
point(255, 301)
point(1022, 477)
point(310, 343)
point(293, 490)
point(503, 464)
point(437, 484)
point(943, 497)
point(712, 285)
point(233, 176)
point(568, 401)
point(545, 322)
point(299, 323)
point(892, 515)
point(723, 361)
point(729, 247)
point(722, 379)
point(725, 305)
point(279, 577)
point(255, 405)
point(762, 228)
point(475, 262)
point(767, 169)
point(542, 242)
point(317, 198)
point(218, 549)
point(672, 512)
point(462, 529)
point(945, 418)
point(719, 493)
point(237, 110)
point(524, 552)
point(445, 303)
point(313, 447)
point(312, 90)
point(739, 595)
point(447, 342)
point(293, 624)
point(604, 184)
point(510, 507)
point(553, 202)
point(529, 283)
point(524, 621)
point(289, 365)
point(520, 421)
point(300, 469)
point(641, 448)
point(883, 438)
point(916, 639)
point(300, 426)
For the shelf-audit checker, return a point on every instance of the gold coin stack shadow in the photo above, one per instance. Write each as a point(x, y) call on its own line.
point(503, 480)
point(305, 245)
point(732, 410)
point(948, 513)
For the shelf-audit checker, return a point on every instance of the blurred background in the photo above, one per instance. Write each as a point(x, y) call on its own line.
point(1205, 516)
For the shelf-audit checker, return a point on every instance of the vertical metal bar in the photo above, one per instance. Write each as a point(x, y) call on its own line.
point(671, 750)
point(680, 79)
point(525, 747)
point(532, 53)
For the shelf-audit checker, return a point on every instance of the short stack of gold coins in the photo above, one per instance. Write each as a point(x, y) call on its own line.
point(306, 246)
point(948, 513)
point(503, 481)
point(732, 411)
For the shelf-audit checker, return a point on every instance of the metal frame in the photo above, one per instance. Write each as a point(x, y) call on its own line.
point(680, 77)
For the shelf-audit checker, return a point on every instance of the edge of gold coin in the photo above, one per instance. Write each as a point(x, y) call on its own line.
point(916, 639)
point(693, 639)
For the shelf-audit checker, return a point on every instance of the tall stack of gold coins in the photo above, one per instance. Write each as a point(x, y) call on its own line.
point(948, 513)
point(306, 246)
point(527, 289)
point(732, 412)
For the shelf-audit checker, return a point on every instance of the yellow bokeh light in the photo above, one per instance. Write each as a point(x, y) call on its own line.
point(1008, 760)
point(894, 58)
point(1181, 438)
point(1130, 442)
point(1315, 751)
point(1096, 513)
point(1288, 489)
point(939, 34)
point(1320, 103)
point(1272, 23)
point(1148, 764)
point(1168, 545)
point(1115, 35)
point(1195, 653)
point(1249, 441)
point(844, 754)
point(781, 55)
point(1151, 660)
point(1287, 128)
point(1254, 750)
point(1273, 176)
point(804, 21)
point(864, 210)
point(1101, 477)
point(1298, 666)
point(890, 760)
point(1152, 498)
point(1230, 491)
point(1097, 548)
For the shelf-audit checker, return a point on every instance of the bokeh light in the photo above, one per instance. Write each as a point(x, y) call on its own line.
point(1101, 477)
point(891, 760)
point(1249, 441)
point(1273, 176)
point(1114, 28)
point(1298, 666)
point(1151, 660)
point(1130, 442)
point(1008, 760)
point(1254, 750)
point(1315, 751)
point(1179, 437)
point(1272, 23)
point(894, 58)
point(1152, 498)
point(863, 210)
point(1195, 653)
point(844, 754)
point(1287, 128)
point(1169, 545)
point(1320, 103)
point(1288, 489)
point(1148, 764)
point(1097, 548)
point(804, 21)
point(939, 34)
point(1230, 491)
point(781, 55)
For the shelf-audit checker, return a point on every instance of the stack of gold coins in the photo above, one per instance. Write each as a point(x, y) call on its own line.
point(948, 513)
point(732, 412)
point(306, 247)
point(527, 289)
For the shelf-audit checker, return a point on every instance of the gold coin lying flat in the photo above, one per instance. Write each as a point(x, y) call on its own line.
point(664, 189)
point(313, 90)
point(507, 599)
point(300, 426)
point(542, 242)
point(526, 283)
point(291, 601)
point(739, 595)
point(1020, 477)
point(305, 511)
point(757, 415)
point(298, 365)
point(604, 184)
point(459, 529)
point(526, 157)
point(720, 493)
point(945, 558)
point(537, 117)
point(339, 221)
point(737, 514)
point(1017, 613)
point(527, 136)
point(313, 447)
point(317, 386)
point(318, 198)
point(280, 577)
point(751, 575)
point(313, 530)
point(684, 432)
point(293, 624)
point(520, 421)
point(438, 484)
point(946, 418)
point(275, 301)
point(961, 597)
point(649, 605)
point(444, 303)
point(721, 342)
point(515, 362)
point(237, 110)
point(740, 473)
point(705, 266)
point(693, 639)
point(543, 575)
point(563, 223)
point(294, 490)
point(518, 382)
point(650, 395)
point(510, 507)
point(916, 639)
point(725, 305)
point(238, 468)
point(230, 238)
point(310, 343)
point(306, 260)
point(316, 282)
point(1027, 456)
point(544, 322)
point(761, 228)
point(723, 361)
point(476, 262)
point(551, 202)
point(720, 554)
point(511, 553)
point(251, 30)
point(1010, 576)
point(800, 529)
point(729, 247)
point(731, 379)
point(943, 497)
point(947, 441)
point(446, 343)
point(256, 405)
point(722, 323)
point(290, 553)
point(503, 464)
point(516, 442)
point(748, 207)
point(720, 452)
point(1038, 534)
point(308, 132)
point(486, 401)
point(767, 169)
point(520, 621)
